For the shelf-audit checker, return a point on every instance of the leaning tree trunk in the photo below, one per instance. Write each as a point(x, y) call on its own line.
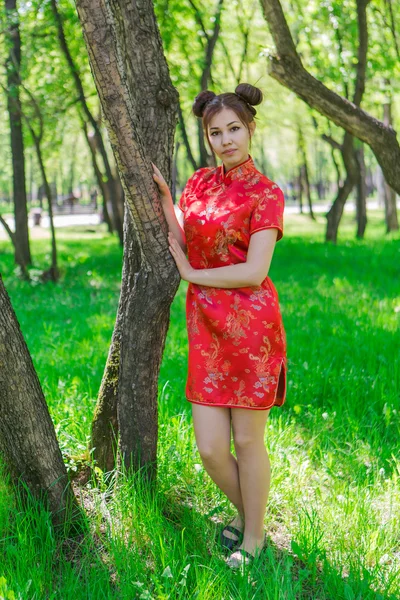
point(22, 248)
point(140, 107)
point(28, 441)
point(287, 68)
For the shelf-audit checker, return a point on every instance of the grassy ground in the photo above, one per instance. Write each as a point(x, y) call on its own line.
point(333, 514)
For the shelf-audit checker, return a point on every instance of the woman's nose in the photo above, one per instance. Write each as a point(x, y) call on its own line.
point(226, 138)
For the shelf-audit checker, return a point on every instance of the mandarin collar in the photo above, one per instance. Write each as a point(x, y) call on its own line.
point(238, 172)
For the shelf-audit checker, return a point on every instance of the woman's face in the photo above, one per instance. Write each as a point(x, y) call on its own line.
point(229, 137)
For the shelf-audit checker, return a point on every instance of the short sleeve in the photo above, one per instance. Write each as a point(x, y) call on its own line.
point(268, 212)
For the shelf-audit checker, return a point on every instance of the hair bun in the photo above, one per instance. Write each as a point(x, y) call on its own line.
point(201, 101)
point(250, 94)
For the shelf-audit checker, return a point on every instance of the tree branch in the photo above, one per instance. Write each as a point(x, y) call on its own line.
point(286, 67)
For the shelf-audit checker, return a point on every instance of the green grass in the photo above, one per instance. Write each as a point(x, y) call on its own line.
point(333, 513)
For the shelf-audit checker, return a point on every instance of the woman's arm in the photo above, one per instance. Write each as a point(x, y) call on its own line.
point(173, 223)
point(250, 273)
point(169, 209)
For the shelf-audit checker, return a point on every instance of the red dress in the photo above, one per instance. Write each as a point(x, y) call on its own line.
point(237, 341)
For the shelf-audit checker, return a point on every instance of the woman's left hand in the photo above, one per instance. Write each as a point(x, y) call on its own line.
point(184, 267)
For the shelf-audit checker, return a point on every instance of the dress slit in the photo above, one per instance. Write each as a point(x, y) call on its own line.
point(281, 387)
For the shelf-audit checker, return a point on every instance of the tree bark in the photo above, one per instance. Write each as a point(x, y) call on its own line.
point(27, 438)
point(287, 68)
point(22, 248)
point(140, 107)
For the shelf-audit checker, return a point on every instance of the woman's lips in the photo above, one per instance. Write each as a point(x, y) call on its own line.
point(229, 151)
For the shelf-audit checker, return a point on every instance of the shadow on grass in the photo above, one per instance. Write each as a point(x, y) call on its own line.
point(291, 569)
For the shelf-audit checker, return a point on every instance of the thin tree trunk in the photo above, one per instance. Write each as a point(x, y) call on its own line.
point(349, 156)
point(27, 438)
point(186, 139)
point(21, 243)
point(53, 272)
point(305, 182)
point(99, 179)
point(361, 198)
point(335, 213)
point(392, 222)
point(300, 191)
point(19, 259)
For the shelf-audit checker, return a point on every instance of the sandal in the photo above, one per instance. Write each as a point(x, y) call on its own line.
point(245, 558)
point(229, 543)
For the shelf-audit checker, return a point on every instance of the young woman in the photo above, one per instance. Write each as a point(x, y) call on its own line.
point(232, 216)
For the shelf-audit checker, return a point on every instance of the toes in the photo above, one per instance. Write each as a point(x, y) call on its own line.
point(236, 559)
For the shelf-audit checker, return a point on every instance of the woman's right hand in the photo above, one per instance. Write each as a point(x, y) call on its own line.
point(161, 183)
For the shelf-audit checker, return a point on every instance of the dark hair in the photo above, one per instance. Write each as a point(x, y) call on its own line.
point(246, 96)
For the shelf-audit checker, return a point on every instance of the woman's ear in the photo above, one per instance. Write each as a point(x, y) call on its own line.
point(252, 127)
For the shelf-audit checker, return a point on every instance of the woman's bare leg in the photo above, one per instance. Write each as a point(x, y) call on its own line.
point(254, 472)
point(212, 428)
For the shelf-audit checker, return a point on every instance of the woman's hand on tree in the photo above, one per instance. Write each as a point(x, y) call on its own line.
point(184, 267)
point(161, 183)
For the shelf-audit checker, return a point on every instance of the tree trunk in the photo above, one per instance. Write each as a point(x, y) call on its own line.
point(392, 223)
point(27, 437)
point(186, 139)
point(99, 178)
point(140, 107)
point(304, 179)
point(19, 259)
point(287, 68)
point(22, 252)
point(53, 272)
point(350, 160)
point(300, 191)
point(335, 213)
point(361, 198)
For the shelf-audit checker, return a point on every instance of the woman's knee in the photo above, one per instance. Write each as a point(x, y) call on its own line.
point(247, 442)
point(212, 451)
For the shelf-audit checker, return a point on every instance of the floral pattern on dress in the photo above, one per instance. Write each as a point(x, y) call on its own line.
point(236, 336)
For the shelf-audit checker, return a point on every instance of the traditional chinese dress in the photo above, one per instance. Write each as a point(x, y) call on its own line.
point(237, 341)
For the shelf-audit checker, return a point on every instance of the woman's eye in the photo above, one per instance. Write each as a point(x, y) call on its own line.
point(232, 129)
